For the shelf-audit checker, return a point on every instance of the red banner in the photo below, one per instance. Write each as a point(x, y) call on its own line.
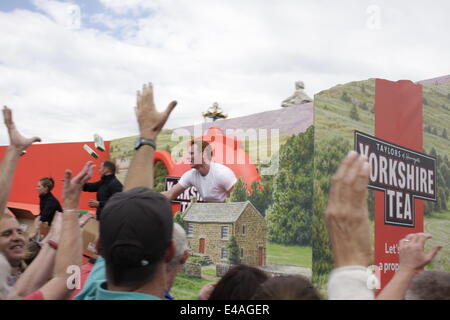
point(399, 120)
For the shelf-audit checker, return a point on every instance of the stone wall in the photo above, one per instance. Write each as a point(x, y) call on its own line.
point(211, 232)
point(221, 269)
point(253, 237)
point(192, 269)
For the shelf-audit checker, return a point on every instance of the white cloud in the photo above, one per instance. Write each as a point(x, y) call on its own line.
point(66, 14)
point(67, 84)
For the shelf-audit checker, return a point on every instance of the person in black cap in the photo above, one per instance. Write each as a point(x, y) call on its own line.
point(105, 188)
point(136, 225)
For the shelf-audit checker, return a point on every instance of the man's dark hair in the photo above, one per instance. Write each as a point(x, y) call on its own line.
point(110, 165)
point(239, 283)
point(287, 288)
point(48, 183)
point(204, 146)
point(430, 285)
point(135, 233)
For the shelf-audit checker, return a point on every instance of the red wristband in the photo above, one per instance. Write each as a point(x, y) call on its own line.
point(53, 244)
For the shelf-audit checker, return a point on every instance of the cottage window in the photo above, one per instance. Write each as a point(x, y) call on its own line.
point(223, 253)
point(190, 230)
point(243, 229)
point(224, 232)
point(242, 253)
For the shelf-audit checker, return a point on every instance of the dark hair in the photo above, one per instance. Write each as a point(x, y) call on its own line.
point(48, 183)
point(110, 165)
point(287, 288)
point(204, 146)
point(430, 285)
point(239, 283)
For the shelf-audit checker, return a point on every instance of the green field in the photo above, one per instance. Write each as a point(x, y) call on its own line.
point(289, 255)
point(187, 287)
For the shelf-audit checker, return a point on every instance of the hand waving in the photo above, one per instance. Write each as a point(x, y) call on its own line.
point(72, 186)
point(150, 121)
point(17, 141)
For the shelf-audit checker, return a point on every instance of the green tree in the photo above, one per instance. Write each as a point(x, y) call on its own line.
point(443, 183)
point(233, 251)
point(354, 113)
point(262, 199)
point(434, 131)
point(239, 193)
point(363, 106)
point(328, 156)
point(289, 216)
point(178, 218)
point(345, 97)
point(160, 174)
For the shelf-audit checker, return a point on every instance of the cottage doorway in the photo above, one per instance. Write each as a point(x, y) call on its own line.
point(201, 246)
point(260, 256)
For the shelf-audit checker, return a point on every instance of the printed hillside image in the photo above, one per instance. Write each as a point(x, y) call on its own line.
point(345, 108)
point(270, 227)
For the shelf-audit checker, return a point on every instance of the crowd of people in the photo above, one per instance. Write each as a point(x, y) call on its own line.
point(140, 250)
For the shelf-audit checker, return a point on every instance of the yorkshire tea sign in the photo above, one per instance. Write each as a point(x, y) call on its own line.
point(401, 173)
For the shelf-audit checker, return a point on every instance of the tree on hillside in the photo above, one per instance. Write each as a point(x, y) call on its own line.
point(345, 97)
point(354, 113)
point(443, 183)
point(289, 216)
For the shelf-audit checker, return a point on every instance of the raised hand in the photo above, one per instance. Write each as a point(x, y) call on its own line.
point(149, 120)
point(17, 141)
point(347, 214)
point(413, 257)
point(72, 186)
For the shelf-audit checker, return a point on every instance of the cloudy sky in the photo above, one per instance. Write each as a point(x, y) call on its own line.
point(70, 69)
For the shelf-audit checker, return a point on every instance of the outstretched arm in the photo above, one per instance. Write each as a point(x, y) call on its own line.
point(69, 251)
point(17, 144)
point(150, 121)
point(174, 192)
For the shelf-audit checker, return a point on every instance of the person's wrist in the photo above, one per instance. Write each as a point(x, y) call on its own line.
point(351, 259)
point(53, 244)
point(407, 270)
point(17, 151)
point(71, 210)
point(148, 135)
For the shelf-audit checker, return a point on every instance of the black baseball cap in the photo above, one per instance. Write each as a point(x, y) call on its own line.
point(135, 233)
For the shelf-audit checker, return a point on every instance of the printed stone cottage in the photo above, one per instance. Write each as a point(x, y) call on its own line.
point(211, 225)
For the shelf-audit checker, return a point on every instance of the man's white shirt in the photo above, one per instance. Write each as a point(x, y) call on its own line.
point(214, 186)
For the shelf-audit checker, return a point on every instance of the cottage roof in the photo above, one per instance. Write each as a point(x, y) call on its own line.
point(227, 212)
